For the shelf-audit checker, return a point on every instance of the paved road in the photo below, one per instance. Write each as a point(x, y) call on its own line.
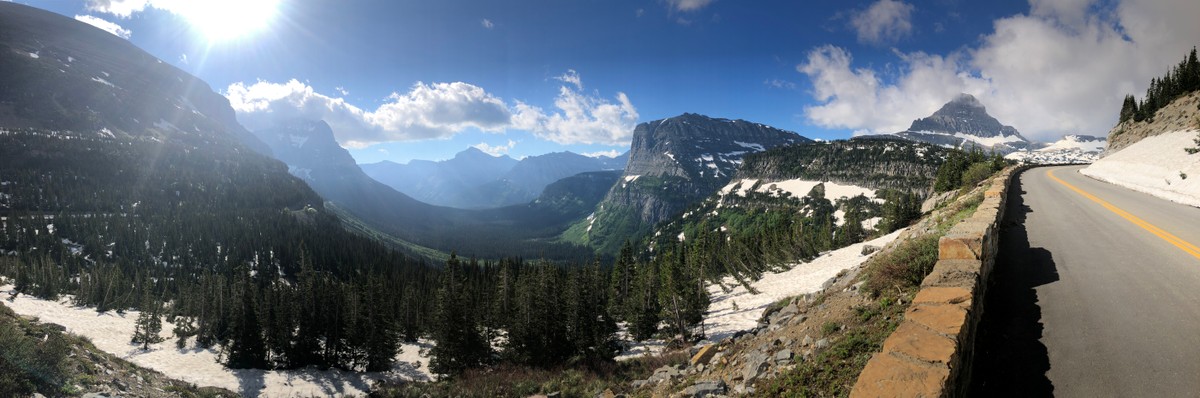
point(1085, 302)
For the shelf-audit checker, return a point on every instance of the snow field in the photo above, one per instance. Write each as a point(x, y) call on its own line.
point(1155, 165)
point(723, 320)
point(110, 333)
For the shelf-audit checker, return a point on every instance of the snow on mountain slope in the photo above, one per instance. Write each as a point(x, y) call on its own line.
point(1155, 165)
point(738, 309)
point(1071, 149)
point(795, 187)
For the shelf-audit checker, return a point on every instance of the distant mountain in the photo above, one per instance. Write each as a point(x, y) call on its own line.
point(673, 163)
point(453, 182)
point(312, 153)
point(474, 179)
point(1071, 149)
point(963, 123)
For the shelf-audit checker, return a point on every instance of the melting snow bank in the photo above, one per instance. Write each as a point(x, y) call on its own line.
point(724, 320)
point(110, 332)
point(1155, 165)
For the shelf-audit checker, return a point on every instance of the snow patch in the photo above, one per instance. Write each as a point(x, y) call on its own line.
point(34, 55)
point(987, 141)
point(755, 147)
point(104, 82)
point(1155, 165)
point(723, 320)
point(110, 333)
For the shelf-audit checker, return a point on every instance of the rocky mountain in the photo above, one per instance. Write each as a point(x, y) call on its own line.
point(1071, 149)
point(474, 179)
point(673, 163)
point(75, 77)
point(964, 122)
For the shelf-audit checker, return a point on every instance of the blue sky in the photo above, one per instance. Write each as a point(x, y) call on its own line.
point(400, 80)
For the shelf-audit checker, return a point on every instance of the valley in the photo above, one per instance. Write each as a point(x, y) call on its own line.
point(174, 221)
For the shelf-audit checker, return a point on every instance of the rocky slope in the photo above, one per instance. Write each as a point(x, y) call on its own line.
point(61, 75)
point(866, 162)
point(1071, 149)
point(673, 163)
point(964, 122)
point(1181, 114)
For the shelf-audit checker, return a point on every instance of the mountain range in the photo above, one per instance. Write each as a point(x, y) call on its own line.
point(474, 179)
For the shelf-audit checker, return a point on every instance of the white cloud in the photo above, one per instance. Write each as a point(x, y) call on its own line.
point(612, 153)
point(487, 23)
point(688, 5)
point(439, 111)
point(120, 8)
point(1063, 68)
point(780, 84)
point(884, 22)
point(105, 25)
point(183, 59)
point(571, 77)
point(342, 90)
point(426, 111)
point(495, 150)
point(580, 118)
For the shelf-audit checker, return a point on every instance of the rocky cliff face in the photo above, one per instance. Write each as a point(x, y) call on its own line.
point(964, 122)
point(1181, 114)
point(673, 163)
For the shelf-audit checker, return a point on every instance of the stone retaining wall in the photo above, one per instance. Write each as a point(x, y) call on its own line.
point(929, 354)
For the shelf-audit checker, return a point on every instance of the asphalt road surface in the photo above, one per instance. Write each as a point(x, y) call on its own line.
point(1091, 299)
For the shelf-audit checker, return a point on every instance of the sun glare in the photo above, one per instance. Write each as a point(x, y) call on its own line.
point(220, 20)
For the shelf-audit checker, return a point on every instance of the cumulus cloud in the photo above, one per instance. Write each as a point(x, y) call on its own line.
point(688, 5)
point(1062, 68)
point(439, 111)
point(426, 111)
point(105, 25)
point(487, 23)
point(495, 150)
point(580, 118)
point(883, 22)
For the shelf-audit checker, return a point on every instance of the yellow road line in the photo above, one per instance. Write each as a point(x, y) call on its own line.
point(1167, 236)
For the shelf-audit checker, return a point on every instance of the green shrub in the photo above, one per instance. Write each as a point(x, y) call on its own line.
point(977, 173)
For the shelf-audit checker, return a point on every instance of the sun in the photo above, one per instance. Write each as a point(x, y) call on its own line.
point(220, 20)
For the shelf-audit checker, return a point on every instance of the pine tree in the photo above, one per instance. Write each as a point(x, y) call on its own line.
point(460, 343)
point(643, 317)
point(245, 348)
point(146, 329)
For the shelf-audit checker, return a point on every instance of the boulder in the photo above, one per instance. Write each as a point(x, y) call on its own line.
point(704, 354)
point(705, 389)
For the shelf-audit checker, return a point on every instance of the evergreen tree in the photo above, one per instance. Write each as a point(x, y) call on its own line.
point(642, 317)
point(245, 348)
point(146, 329)
point(460, 343)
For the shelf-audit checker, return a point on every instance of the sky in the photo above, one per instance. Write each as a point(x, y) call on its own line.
point(405, 79)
